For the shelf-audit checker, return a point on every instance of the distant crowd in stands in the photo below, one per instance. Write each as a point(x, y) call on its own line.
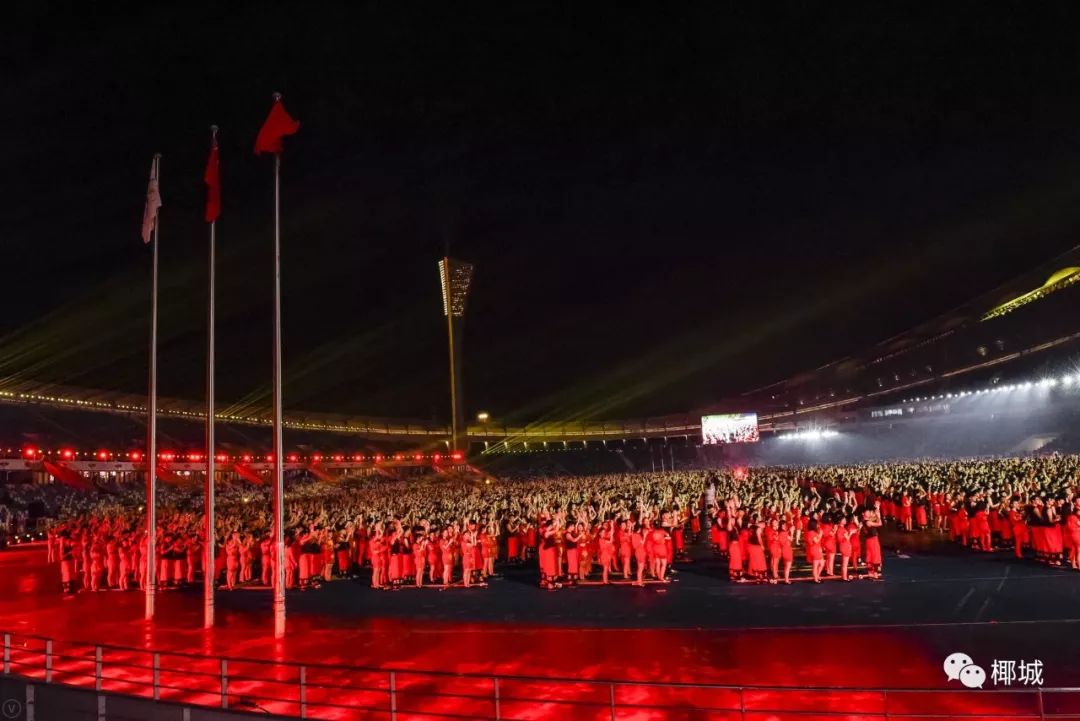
point(613, 528)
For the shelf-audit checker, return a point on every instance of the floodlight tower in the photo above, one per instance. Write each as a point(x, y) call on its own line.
point(455, 276)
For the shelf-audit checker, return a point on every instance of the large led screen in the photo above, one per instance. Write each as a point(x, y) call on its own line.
point(729, 428)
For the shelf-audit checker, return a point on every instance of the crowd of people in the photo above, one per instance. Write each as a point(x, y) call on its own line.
point(822, 521)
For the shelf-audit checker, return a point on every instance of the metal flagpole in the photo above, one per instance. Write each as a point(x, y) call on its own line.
point(211, 532)
point(279, 479)
point(151, 423)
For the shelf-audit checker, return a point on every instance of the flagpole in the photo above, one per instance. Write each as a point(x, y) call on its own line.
point(279, 478)
point(211, 531)
point(151, 423)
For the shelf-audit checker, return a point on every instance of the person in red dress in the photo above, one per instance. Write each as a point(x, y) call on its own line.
point(639, 540)
point(343, 551)
point(232, 561)
point(360, 543)
point(905, 512)
point(756, 566)
point(469, 542)
point(549, 564)
point(872, 545)
point(489, 549)
point(980, 527)
point(448, 546)
point(772, 548)
point(513, 540)
point(1072, 531)
point(571, 545)
point(1019, 527)
point(625, 545)
point(194, 557)
point(420, 553)
point(814, 554)
point(394, 568)
point(434, 554)
point(661, 541)
point(377, 549)
point(787, 553)
point(1054, 539)
point(844, 533)
point(606, 546)
point(828, 545)
point(266, 569)
point(922, 518)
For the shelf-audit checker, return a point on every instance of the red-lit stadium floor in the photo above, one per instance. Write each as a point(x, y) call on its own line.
point(701, 630)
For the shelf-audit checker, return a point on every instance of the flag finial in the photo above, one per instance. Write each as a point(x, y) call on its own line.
point(213, 129)
point(276, 96)
point(157, 156)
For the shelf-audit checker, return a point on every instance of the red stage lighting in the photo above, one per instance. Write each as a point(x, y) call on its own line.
point(135, 455)
point(30, 452)
point(457, 455)
point(378, 458)
point(102, 455)
point(316, 458)
point(195, 457)
point(270, 458)
point(417, 457)
point(167, 456)
point(339, 458)
point(67, 454)
point(436, 457)
point(246, 458)
point(398, 456)
point(292, 458)
point(221, 458)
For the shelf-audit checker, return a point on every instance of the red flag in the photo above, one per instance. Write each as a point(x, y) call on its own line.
point(212, 178)
point(153, 202)
point(278, 124)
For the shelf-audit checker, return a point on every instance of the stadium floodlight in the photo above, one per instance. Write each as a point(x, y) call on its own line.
point(455, 277)
point(1067, 381)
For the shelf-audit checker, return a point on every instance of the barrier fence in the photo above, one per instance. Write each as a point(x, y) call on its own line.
point(328, 691)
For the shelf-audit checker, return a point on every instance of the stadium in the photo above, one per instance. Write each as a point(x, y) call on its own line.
point(825, 468)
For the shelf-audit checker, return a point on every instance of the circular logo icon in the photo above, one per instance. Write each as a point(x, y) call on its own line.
point(11, 708)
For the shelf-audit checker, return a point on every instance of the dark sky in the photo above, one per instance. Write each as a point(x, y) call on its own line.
point(665, 206)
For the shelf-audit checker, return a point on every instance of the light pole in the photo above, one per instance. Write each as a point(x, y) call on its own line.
point(455, 277)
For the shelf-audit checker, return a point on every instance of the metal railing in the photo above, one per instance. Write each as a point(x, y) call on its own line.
point(324, 691)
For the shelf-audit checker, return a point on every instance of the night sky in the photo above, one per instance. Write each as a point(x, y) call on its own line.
point(665, 207)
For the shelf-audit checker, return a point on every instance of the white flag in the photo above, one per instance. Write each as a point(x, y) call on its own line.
point(153, 202)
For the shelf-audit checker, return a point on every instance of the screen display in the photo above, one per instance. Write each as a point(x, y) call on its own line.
point(730, 428)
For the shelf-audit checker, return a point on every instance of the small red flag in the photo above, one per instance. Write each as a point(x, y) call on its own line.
point(278, 124)
point(212, 178)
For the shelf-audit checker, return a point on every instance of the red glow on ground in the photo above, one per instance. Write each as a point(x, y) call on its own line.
point(578, 673)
